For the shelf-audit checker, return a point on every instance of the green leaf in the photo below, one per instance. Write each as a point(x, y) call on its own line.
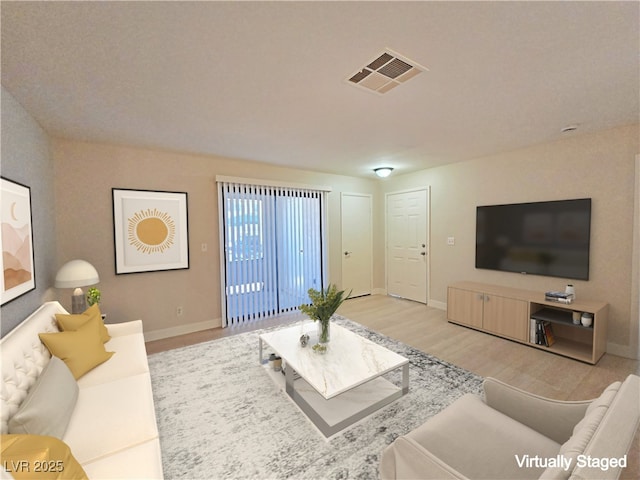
point(324, 303)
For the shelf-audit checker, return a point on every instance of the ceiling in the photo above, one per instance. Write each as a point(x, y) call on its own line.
point(266, 81)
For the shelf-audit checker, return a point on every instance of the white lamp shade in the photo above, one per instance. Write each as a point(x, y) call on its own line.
point(383, 171)
point(76, 273)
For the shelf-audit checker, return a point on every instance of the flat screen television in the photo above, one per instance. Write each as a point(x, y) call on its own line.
point(540, 238)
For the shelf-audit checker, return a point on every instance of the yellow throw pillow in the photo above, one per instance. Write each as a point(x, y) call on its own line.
point(82, 349)
point(39, 457)
point(75, 321)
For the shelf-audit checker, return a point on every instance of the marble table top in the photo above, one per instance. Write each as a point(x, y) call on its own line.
point(350, 360)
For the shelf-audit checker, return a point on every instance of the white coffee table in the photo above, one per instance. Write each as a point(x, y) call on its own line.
point(341, 386)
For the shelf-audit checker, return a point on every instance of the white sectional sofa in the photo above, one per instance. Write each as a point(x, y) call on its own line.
point(112, 430)
point(512, 434)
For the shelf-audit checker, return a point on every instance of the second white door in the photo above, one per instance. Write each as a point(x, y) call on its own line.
point(357, 244)
point(407, 247)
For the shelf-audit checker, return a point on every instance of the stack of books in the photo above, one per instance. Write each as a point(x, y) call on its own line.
point(560, 297)
point(541, 333)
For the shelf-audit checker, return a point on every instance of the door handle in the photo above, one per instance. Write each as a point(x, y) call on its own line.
point(347, 253)
point(423, 253)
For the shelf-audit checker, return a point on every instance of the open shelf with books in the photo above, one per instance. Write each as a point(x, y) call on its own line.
point(585, 343)
point(469, 304)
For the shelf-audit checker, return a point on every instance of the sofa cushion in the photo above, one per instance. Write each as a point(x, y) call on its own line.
point(112, 417)
point(130, 359)
point(49, 404)
point(481, 442)
point(22, 455)
point(126, 328)
point(142, 461)
point(81, 350)
point(582, 433)
point(73, 322)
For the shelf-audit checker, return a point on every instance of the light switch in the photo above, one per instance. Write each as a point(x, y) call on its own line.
point(203, 247)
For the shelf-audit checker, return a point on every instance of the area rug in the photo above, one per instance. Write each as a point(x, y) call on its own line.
point(220, 415)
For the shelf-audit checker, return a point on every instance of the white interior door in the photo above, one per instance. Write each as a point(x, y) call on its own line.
point(357, 244)
point(407, 248)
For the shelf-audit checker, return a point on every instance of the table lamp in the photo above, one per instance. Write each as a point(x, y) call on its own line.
point(76, 274)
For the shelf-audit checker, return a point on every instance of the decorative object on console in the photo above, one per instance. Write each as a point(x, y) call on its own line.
point(576, 318)
point(77, 274)
point(560, 297)
point(324, 303)
point(18, 273)
point(150, 230)
point(587, 319)
point(570, 290)
point(541, 333)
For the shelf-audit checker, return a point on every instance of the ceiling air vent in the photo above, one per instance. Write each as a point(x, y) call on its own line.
point(387, 71)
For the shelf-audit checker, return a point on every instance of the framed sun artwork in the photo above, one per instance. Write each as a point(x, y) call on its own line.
point(16, 241)
point(150, 230)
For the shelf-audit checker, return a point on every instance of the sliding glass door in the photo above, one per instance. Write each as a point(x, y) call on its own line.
point(273, 249)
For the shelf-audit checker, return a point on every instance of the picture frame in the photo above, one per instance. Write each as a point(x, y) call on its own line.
point(151, 230)
point(16, 241)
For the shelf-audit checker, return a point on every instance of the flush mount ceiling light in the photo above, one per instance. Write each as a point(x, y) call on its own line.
point(383, 172)
point(387, 71)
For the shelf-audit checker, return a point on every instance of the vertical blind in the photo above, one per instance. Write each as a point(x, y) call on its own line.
point(273, 248)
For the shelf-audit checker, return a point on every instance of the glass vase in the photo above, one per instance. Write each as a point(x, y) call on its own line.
point(324, 331)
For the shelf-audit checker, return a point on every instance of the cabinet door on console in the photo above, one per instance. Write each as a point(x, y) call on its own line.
point(464, 306)
point(507, 317)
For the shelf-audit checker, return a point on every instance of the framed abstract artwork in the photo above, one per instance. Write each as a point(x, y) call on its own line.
point(16, 241)
point(150, 230)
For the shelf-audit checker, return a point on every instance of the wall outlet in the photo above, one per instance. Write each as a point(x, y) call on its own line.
point(451, 241)
point(179, 311)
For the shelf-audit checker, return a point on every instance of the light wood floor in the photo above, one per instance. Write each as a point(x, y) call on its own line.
point(427, 329)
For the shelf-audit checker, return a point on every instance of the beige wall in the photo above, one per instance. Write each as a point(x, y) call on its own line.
point(600, 166)
point(85, 175)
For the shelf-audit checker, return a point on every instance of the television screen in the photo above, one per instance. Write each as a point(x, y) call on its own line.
point(541, 238)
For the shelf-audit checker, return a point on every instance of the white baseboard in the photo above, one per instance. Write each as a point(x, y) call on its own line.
point(625, 351)
point(438, 305)
point(181, 330)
